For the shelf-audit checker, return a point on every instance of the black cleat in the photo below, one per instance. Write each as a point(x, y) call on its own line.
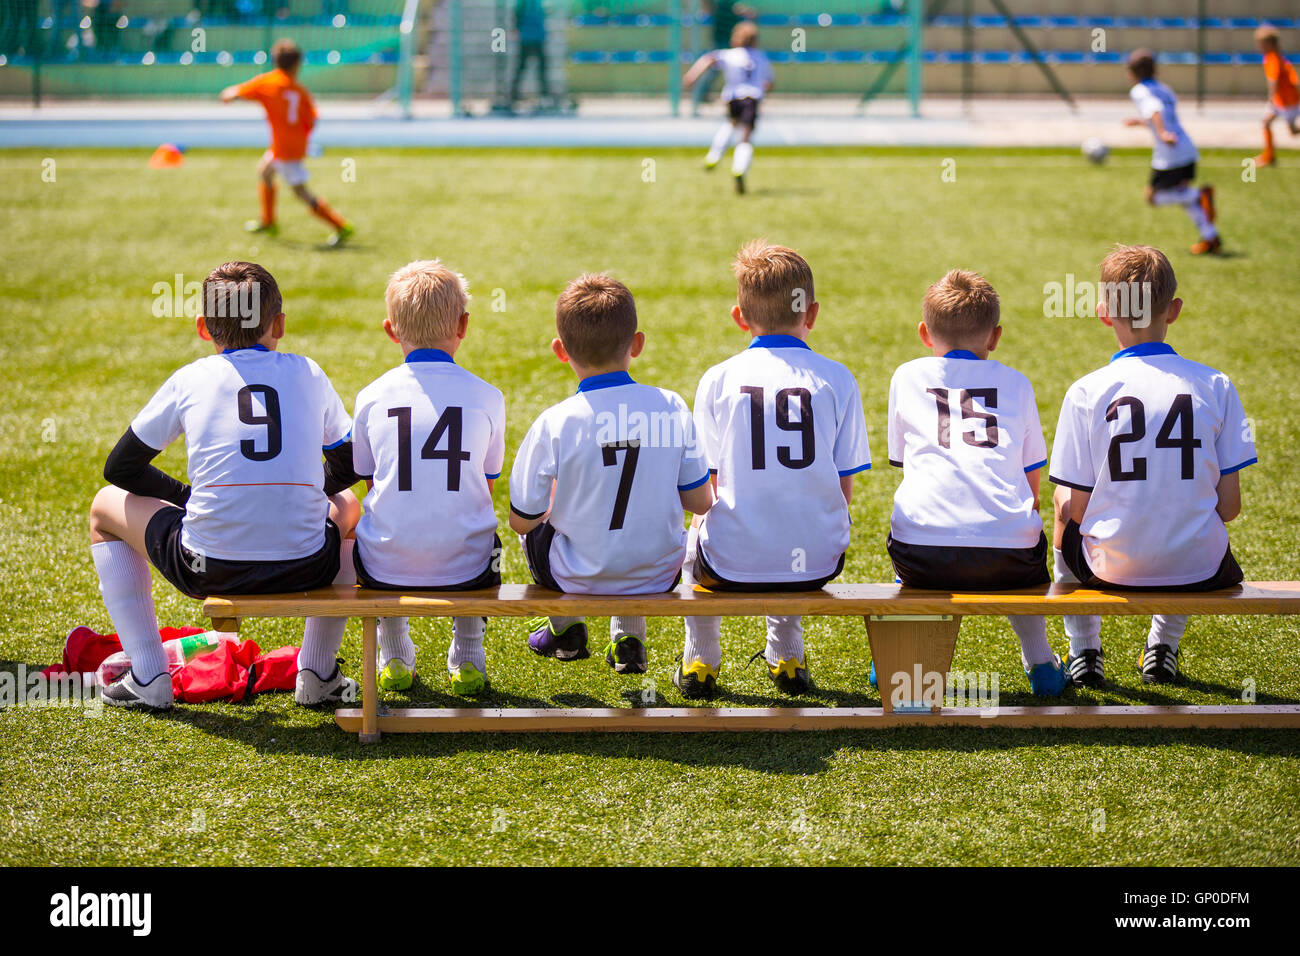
point(1088, 669)
point(740, 183)
point(1159, 664)
point(626, 654)
point(698, 681)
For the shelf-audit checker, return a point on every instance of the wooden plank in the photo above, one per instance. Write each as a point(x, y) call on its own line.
point(739, 719)
point(517, 600)
point(368, 733)
point(908, 649)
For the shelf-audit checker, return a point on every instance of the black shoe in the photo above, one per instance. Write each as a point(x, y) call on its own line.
point(626, 654)
point(740, 184)
point(790, 676)
point(699, 681)
point(1088, 669)
point(1159, 664)
point(569, 646)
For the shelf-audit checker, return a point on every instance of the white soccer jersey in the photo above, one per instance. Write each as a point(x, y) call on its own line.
point(1151, 97)
point(1149, 436)
point(966, 433)
point(254, 422)
point(431, 434)
point(618, 454)
point(746, 73)
point(780, 425)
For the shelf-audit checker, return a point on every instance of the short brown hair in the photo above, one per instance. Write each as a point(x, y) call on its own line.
point(1266, 35)
point(286, 55)
point(744, 33)
point(774, 286)
point(425, 301)
point(961, 307)
point(239, 301)
point(1138, 282)
point(596, 318)
point(1142, 63)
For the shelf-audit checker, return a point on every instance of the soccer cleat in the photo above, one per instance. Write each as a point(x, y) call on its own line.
point(467, 680)
point(710, 164)
point(311, 690)
point(740, 183)
point(569, 646)
point(1207, 246)
point(271, 229)
point(626, 654)
point(791, 677)
point(696, 681)
point(126, 691)
point(1088, 669)
point(1050, 679)
point(1207, 202)
point(1159, 664)
point(396, 675)
point(1265, 159)
point(338, 238)
point(871, 675)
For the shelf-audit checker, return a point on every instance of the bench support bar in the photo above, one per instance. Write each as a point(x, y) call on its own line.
point(911, 651)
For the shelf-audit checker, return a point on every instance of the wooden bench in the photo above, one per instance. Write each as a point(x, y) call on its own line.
point(912, 633)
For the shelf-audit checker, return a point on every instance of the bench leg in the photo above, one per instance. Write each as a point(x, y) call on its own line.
point(912, 654)
point(369, 682)
point(226, 625)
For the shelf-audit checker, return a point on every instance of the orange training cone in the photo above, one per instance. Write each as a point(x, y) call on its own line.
point(167, 156)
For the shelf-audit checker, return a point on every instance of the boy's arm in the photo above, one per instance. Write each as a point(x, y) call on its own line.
point(699, 499)
point(1035, 479)
point(522, 524)
point(1158, 124)
point(246, 90)
point(1229, 492)
point(846, 487)
point(698, 68)
point(128, 467)
point(340, 468)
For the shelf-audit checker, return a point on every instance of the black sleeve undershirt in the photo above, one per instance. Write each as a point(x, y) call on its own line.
point(339, 471)
point(128, 467)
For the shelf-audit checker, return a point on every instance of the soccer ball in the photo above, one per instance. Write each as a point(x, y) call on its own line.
point(1095, 150)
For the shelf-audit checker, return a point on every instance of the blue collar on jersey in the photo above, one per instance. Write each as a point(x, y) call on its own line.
point(779, 342)
point(1145, 348)
point(429, 355)
point(605, 380)
point(961, 354)
point(256, 347)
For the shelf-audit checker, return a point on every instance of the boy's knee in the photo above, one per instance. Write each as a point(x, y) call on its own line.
point(101, 506)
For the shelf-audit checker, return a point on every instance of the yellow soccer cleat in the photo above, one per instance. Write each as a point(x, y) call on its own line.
point(696, 680)
point(396, 675)
point(467, 680)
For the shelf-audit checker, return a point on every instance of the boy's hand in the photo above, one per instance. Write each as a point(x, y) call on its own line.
point(1168, 137)
point(1133, 121)
point(229, 93)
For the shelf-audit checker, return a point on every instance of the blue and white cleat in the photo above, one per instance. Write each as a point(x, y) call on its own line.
point(1050, 679)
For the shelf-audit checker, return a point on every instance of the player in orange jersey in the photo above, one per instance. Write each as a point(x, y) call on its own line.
point(291, 113)
point(1283, 90)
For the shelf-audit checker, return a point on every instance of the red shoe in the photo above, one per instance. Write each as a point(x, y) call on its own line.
point(1207, 202)
point(1265, 159)
point(1207, 246)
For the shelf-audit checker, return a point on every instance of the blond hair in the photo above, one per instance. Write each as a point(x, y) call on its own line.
point(1138, 281)
point(1267, 36)
point(425, 301)
point(745, 34)
point(595, 316)
point(774, 286)
point(961, 308)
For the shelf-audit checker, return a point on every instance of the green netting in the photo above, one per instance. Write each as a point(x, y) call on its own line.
point(192, 47)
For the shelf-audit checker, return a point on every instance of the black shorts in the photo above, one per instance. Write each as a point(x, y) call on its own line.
point(198, 576)
point(537, 552)
point(743, 112)
point(1228, 575)
point(937, 568)
point(490, 578)
point(707, 577)
point(1170, 178)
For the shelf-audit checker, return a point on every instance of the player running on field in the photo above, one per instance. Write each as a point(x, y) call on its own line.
point(747, 75)
point(1283, 90)
point(1173, 161)
point(291, 114)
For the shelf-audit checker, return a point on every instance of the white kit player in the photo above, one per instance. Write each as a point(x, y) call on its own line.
point(747, 78)
point(263, 511)
point(1173, 157)
point(782, 427)
point(1146, 460)
point(600, 481)
point(965, 430)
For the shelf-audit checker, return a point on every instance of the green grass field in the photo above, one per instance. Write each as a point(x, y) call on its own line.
point(268, 782)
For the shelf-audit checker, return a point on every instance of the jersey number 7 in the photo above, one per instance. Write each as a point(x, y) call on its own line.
point(449, 423)
point(608, 455)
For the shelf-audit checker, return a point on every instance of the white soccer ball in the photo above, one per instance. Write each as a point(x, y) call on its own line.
point(1095, 150)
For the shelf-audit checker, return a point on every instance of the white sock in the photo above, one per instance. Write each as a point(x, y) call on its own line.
point(632, 626)
point(1202, 222)
point(1176, 197)
point(561, 624)
point(127, 588)
point(1167, 629)
point(1034, 647)
point(721, 141)
point(322, 636)
point(784, 638)
point(395, 641)
point(703, 634)
point(467, 643)
point(1083, 630)
point(741, 158)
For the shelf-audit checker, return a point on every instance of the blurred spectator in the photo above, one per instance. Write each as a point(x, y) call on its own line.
point(530, 29)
